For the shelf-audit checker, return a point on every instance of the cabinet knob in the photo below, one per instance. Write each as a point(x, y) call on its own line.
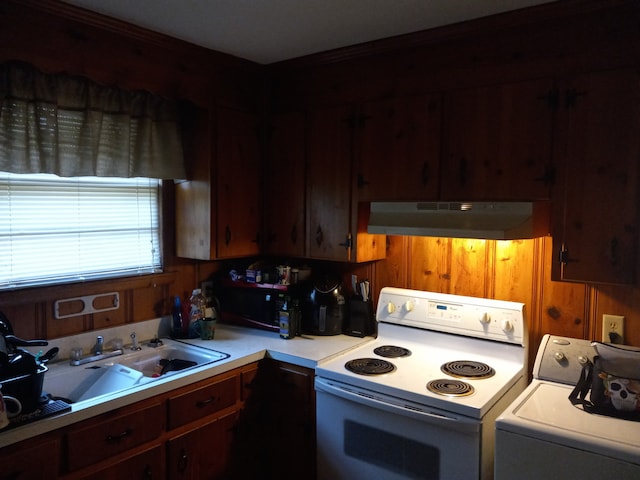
point(182, 461)
point(118, 437)
point(208, 401)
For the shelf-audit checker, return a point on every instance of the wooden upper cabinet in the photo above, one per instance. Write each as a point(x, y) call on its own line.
point(336, 227)
point(218, 209)
point(195, 200)
point(399, 148)
point(239, 194)
point(329, 183)
point(595, 237)
point(498, 142)
point(285, 185)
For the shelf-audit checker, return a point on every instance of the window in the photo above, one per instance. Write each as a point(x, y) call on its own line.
point(55, 229)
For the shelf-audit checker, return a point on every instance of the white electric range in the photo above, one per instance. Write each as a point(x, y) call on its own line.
point(421, 399)
point(543, 435)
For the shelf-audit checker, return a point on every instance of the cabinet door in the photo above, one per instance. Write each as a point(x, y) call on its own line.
point(399, 152)
point(329, 183)
point(498, 142)
point(599, 145)
point(239, 193)
point(285, 187)
point(195, 200)
point(203, 453)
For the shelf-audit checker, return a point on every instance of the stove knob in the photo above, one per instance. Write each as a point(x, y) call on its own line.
point(486, 318)
point(559, 356)
point(582, 360)
point(391, 308)
point(506, 325)
point(408, 306)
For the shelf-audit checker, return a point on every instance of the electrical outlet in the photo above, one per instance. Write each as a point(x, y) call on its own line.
point(612, 328)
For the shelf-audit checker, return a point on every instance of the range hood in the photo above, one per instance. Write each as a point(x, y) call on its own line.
point(484, 220)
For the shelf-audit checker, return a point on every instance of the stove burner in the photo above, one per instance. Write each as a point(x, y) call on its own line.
point(450, 388)
point(391, 351)
point(468, 369)
point(369, 366)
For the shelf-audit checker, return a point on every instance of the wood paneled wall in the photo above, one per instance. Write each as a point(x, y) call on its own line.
point(509, 270)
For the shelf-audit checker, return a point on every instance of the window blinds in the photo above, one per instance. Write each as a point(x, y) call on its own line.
point(55, 229)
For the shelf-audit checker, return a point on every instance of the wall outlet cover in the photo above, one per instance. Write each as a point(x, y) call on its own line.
point(612, 328)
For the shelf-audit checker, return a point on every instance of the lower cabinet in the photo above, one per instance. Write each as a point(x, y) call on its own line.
point(253, 422)
point(275, 436)
point(202, 452)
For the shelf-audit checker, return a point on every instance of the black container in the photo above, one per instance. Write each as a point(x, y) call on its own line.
point(361, 321)
point(324, 310)
point(26, 388)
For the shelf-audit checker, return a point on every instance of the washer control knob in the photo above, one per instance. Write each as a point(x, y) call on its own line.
point(408, 306)
point(507, 326)
point(391, 308)
point(559, 356)
point(485, 318)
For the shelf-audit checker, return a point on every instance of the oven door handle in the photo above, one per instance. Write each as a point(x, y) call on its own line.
point(397, 406)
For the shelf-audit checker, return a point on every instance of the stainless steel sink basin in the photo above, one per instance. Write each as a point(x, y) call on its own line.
point(133, 369)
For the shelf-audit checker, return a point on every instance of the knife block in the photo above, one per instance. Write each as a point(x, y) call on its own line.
point(361, 321)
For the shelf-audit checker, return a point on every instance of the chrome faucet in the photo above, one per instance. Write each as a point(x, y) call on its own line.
point(97, 348)
point(134, 342)
point(97, 353)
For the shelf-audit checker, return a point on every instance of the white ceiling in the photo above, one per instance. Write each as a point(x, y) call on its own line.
point(267, 31)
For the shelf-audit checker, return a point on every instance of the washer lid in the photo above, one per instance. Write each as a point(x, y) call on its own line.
point(546, 409)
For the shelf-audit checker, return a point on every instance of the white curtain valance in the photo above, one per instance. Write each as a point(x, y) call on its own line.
point(71, 126)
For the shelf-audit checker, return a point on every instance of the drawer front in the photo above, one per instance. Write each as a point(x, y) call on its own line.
point(111, 434)
point(143, 466)
point(202, 402)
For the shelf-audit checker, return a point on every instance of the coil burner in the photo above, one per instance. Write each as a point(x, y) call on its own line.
point(450, 388)
point(391, 351)
point(369, 366)
point(468, 369)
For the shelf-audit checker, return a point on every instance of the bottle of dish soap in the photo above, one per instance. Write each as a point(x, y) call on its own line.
point(177, 327)
point(197, 312)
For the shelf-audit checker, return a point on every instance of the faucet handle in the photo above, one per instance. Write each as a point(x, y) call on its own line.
point(134, 342)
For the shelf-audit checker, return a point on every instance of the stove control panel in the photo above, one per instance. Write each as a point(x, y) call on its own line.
point(560, 359)
point(460, 315)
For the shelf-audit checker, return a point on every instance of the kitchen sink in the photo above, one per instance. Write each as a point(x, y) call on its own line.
point(134, 368)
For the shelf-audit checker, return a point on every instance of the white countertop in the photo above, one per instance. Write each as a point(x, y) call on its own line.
point(243, 345)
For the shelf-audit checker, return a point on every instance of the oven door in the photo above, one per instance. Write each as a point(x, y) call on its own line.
point(364, 435)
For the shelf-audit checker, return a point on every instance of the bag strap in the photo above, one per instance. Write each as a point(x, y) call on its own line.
point(579, 394)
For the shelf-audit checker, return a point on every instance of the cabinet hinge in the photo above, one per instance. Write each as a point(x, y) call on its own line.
point(563, 256)
point(348, 242)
